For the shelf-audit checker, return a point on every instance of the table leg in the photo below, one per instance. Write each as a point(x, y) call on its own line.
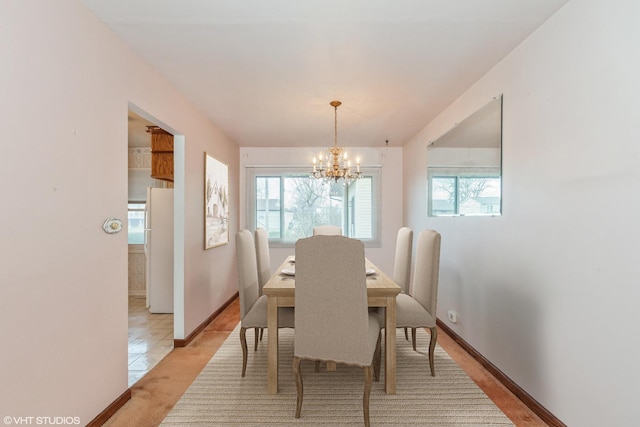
point(272, 350)
point(390, 346)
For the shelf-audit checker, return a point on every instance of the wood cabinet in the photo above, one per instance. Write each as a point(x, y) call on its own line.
point(161, 154)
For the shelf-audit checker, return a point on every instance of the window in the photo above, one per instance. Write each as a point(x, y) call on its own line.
point(288, 204)
point(135, 229)
point(464, 193)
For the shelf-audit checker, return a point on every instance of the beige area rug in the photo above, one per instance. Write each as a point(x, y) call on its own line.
point(220, 396)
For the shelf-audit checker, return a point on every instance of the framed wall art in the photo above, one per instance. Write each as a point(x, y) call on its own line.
point(216, 203)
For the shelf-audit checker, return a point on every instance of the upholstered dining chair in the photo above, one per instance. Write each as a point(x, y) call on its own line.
point(417, 309)
point(264, 260)
point(332, 322)
point(402, 262)
point(327, 230)
point(253, 306)
point(262, 256)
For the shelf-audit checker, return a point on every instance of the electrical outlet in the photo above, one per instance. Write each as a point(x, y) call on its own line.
point(453, 317)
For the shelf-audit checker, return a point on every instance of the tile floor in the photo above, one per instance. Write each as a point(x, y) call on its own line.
point(150, 338)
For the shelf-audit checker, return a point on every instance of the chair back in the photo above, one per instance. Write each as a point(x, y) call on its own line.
point(262, 257)
point(332, 320)
point(248, 287)
point(426, 270)
point(327, 230)
point(402, 262)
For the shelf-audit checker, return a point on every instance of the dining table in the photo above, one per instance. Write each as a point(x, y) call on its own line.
point(280, 292)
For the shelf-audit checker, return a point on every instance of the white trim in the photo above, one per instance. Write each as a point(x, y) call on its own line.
point(179, 161)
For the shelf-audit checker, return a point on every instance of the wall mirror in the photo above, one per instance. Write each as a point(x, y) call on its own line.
point(464, 166)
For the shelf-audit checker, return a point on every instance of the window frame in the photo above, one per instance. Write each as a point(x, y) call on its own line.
point(457, 174)
point(374, 173)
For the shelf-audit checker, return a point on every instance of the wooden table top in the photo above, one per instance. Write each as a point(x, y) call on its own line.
point(282, 285)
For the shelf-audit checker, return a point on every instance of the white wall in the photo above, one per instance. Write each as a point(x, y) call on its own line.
point(389, 158)
point(549, 291)
point(66, 83)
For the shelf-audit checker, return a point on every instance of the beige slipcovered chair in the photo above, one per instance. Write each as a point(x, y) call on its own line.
point(262, 256)
point(332, 321)
point(402, 262)
point(264, 260)
point(253, 306)
point(327, 230)
point(418, 309)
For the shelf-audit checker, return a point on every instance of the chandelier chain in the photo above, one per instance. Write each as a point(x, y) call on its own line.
point(335, 126)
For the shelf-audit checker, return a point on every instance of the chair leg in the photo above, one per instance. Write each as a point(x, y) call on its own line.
point(261, 333)
point(413, 338)
point(406, 334)
point(432, 347)
point(257, 332)
point(377, 359)
point(367, 392)
point(317, 367)
point(243, 343)
point(298, 374)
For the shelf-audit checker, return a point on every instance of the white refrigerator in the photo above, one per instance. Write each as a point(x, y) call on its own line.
point(158, 248)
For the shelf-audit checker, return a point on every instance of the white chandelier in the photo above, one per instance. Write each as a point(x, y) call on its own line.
point(338, 165)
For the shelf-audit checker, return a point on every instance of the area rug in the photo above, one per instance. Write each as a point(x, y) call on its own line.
point(221, 397)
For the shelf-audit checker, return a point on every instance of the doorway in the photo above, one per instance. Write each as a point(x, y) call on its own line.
point(150, 334)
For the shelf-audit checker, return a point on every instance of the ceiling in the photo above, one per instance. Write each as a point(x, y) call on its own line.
point(265, 71)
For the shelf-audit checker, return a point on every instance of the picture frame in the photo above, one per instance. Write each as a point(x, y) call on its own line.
point(216, 202)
